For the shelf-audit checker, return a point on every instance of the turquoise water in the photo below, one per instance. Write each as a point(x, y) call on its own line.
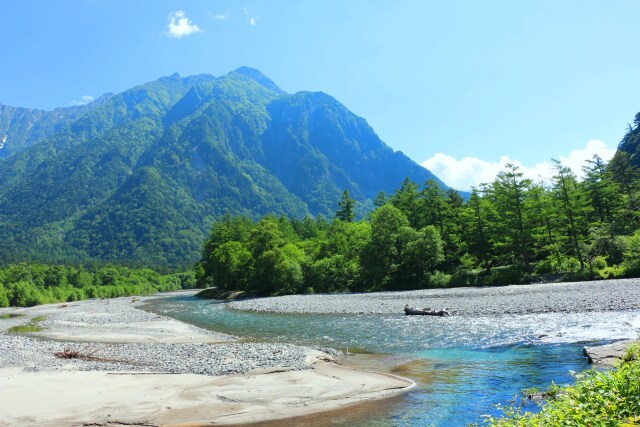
point(463, 366)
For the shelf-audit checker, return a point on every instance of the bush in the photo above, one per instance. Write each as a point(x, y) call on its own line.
point(464, 277)
point(599, 398)
point(438, 280)
point(500, 276)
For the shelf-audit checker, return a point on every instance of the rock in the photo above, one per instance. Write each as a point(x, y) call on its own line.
point(219, 294)
point(209, 293)
point(236, 295)
point(607, 355)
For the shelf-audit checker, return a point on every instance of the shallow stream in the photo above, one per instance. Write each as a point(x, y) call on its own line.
point(463, 366)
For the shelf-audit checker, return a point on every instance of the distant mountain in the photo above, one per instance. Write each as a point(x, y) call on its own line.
point(21, 127)
point(630, 144)
point(139, 176)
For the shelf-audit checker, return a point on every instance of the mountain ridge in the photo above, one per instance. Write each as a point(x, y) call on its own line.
point(140, 175)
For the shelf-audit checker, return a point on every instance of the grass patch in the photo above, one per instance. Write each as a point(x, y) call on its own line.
point(29, 327)
point(10, 316)
point(32, 326)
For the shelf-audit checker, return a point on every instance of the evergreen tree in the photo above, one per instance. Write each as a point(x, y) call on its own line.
point(407, 199)
point(509, 193)
point(565, 189)
point(476, 236)
point(600, 190)
point(346, 208)
point(380, 200)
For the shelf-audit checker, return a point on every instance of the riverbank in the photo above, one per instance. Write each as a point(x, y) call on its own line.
point(139, 367)
point(572, 297)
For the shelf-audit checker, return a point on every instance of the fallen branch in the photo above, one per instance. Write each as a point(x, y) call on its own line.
point(69, 353)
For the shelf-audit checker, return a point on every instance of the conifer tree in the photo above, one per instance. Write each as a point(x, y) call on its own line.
point(346, 208)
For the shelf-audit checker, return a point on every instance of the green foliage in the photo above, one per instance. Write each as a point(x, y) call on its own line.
point(24, 285)
point(632, 354)
point(426, 237)
point(276, 256)
point(599, 398)
point(632, 252)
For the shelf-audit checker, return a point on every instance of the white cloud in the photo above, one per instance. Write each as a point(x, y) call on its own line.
point(471, 171)
point(577, 158)
point(219, 16)
point(181, 26)
point(252, 20)
point(84, 100)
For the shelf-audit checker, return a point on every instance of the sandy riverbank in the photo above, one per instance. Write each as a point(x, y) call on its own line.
point(153, 370)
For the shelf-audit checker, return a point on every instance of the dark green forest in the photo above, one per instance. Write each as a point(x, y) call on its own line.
point(510, 231)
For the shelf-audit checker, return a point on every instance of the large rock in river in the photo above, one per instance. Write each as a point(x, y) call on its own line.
point(607, 355)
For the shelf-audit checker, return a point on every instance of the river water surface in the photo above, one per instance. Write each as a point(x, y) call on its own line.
point(463, 366)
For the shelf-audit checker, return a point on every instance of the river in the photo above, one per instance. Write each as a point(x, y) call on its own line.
point(463, 366)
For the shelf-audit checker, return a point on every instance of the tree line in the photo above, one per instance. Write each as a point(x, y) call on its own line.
point(27, 285)
point(512, 230)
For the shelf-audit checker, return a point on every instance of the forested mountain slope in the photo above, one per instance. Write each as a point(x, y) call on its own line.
point(138, 177)
point(630, 144)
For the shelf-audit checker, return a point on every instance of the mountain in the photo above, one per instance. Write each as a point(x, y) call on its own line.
point(630, 144)
point(22, 127)
point(139, 176)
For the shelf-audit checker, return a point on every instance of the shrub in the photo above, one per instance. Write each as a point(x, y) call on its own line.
point(599, 398)
point(438, 280)
point(499, 276)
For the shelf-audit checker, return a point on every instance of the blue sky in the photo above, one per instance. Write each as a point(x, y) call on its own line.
point(462, 85)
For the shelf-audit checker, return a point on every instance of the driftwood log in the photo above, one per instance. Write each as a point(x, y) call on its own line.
point(411, 311)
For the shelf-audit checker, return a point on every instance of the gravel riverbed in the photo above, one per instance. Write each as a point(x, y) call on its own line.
point(574, 297)
point(36, 355)
point(114, 335)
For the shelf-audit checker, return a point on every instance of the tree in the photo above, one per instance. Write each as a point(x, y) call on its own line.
point(231, 266)
point(279, 270)
point(509, 193)
point(566, 191)
point(380, 258)
point(477, 230)
point(627, 178)
point(600, 190)
point(419, 252)
point(406, 199)
point(346, 208)
point(265, 236)
point(380, 200)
